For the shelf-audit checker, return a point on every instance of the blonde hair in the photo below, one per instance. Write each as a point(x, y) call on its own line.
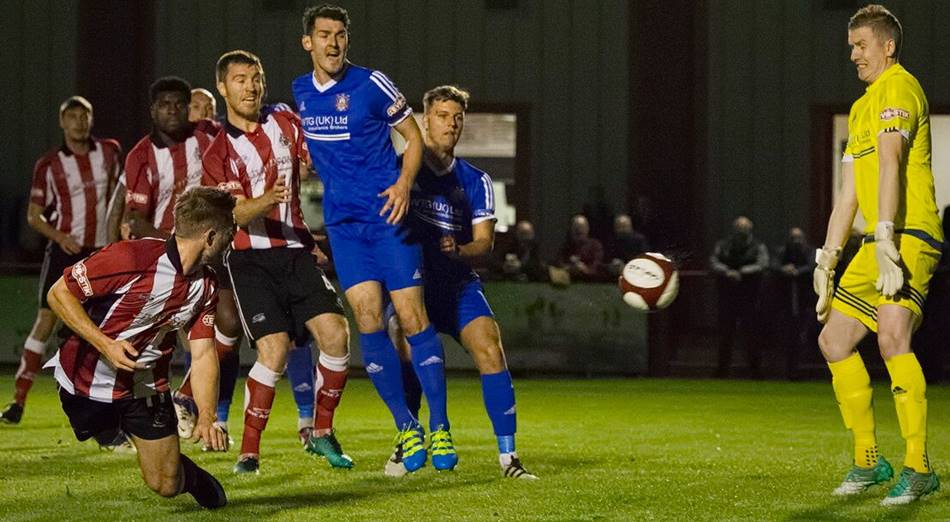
point(882, 22)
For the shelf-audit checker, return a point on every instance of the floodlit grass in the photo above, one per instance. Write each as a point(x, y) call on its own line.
point(604, 449)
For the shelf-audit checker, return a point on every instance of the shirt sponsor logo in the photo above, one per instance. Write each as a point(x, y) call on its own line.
point(397, 106)
point(890, 113)
point(230, 185)
point(136, 197)
point(342, 102)
point(79, 274)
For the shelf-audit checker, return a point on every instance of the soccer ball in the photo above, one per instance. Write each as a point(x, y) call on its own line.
point(649, 282)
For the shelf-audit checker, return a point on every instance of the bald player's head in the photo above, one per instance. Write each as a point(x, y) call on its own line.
point(202, 106)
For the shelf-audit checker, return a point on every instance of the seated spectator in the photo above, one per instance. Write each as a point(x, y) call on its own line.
point(581, 255)
point(519, 260)
point(627, 244)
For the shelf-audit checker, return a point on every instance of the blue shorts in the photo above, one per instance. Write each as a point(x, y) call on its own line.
point(451, 308)
point(375, 252)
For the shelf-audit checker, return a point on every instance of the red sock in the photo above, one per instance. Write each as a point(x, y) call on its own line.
point(29, 364)
point(258, 400)
point(331, 379)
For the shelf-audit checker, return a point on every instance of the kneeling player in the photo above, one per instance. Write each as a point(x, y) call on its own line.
point(115, 375)
point(453, 215)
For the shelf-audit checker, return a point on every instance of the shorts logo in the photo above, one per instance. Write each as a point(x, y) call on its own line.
point(259, 318)
point(397, 106)
point(342, 102)
point(373, 368)
point(435, 359)
point(417, 274)
point(208, 320)
point(79, 274)
point(890, 113)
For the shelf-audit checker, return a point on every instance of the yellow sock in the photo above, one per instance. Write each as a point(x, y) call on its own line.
point(910, 398)
point(852, 386)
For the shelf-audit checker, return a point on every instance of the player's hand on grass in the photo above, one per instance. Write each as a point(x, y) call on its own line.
point(68, 244)
point(823, 280)
point(890, 276)
point(120, 353)
point(397, 202)
point(210, 435)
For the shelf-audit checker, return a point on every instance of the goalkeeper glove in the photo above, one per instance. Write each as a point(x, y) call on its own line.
point(890, 276)
point(824, 280)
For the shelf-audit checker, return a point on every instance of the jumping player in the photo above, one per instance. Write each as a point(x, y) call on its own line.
point(347, 113)
point(887, 174)
point(121, 303)
point(279, 290)
point(453, 216)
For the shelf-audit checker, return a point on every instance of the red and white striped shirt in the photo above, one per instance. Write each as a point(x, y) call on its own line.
point(156, 174)
point(77, 187)
point(247, 164)
point(134, 291)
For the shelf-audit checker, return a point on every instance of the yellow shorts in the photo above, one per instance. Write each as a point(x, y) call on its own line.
point(856, 296)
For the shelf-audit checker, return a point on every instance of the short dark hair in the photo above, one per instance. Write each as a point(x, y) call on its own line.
point(235, 56)
point(169, 84)
point(333, 12)
point(200, 208)
point(882, 22)
point(444, 93)
point(73, 102)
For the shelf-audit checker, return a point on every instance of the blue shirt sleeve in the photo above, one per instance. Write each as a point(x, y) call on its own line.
point(481, 197)
point(385, 100)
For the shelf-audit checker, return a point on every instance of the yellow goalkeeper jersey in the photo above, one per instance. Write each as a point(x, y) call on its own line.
point(895, 102)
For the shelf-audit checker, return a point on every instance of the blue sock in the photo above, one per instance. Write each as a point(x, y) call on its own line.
point(230, 367)
point(428, 358)
point(410, 384)
point(300, 374)
point(499, 396)
point(382, 366)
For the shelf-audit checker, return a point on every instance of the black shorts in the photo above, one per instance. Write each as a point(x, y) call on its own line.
point(54, 263)
point(279, 290)
point(149, 418)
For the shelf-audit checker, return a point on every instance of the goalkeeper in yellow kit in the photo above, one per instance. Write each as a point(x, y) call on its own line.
point(886, 173)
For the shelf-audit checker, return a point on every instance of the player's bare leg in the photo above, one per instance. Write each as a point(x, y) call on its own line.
point(385, 372)
point(169, 473)
point(227, 339)
point(852, 386)
point(482, 338)
point(428, 359)
point(259, 397)
point(332, 334)
point(908, 386)
point(33, 349)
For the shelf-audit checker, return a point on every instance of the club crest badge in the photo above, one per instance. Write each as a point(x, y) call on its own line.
point(342, 102)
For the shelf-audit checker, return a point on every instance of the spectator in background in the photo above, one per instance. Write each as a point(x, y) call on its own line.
point(793, 266)
point(520, 260)
point(627, 243)
point(738, 262)
point(581, 255)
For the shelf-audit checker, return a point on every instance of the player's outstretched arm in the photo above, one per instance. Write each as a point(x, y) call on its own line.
point(65, 305)
point(204, 384)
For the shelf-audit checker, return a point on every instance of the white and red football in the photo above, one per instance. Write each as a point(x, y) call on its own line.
point(649, 282)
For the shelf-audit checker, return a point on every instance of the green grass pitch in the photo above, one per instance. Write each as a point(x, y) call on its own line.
point(637, 449)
